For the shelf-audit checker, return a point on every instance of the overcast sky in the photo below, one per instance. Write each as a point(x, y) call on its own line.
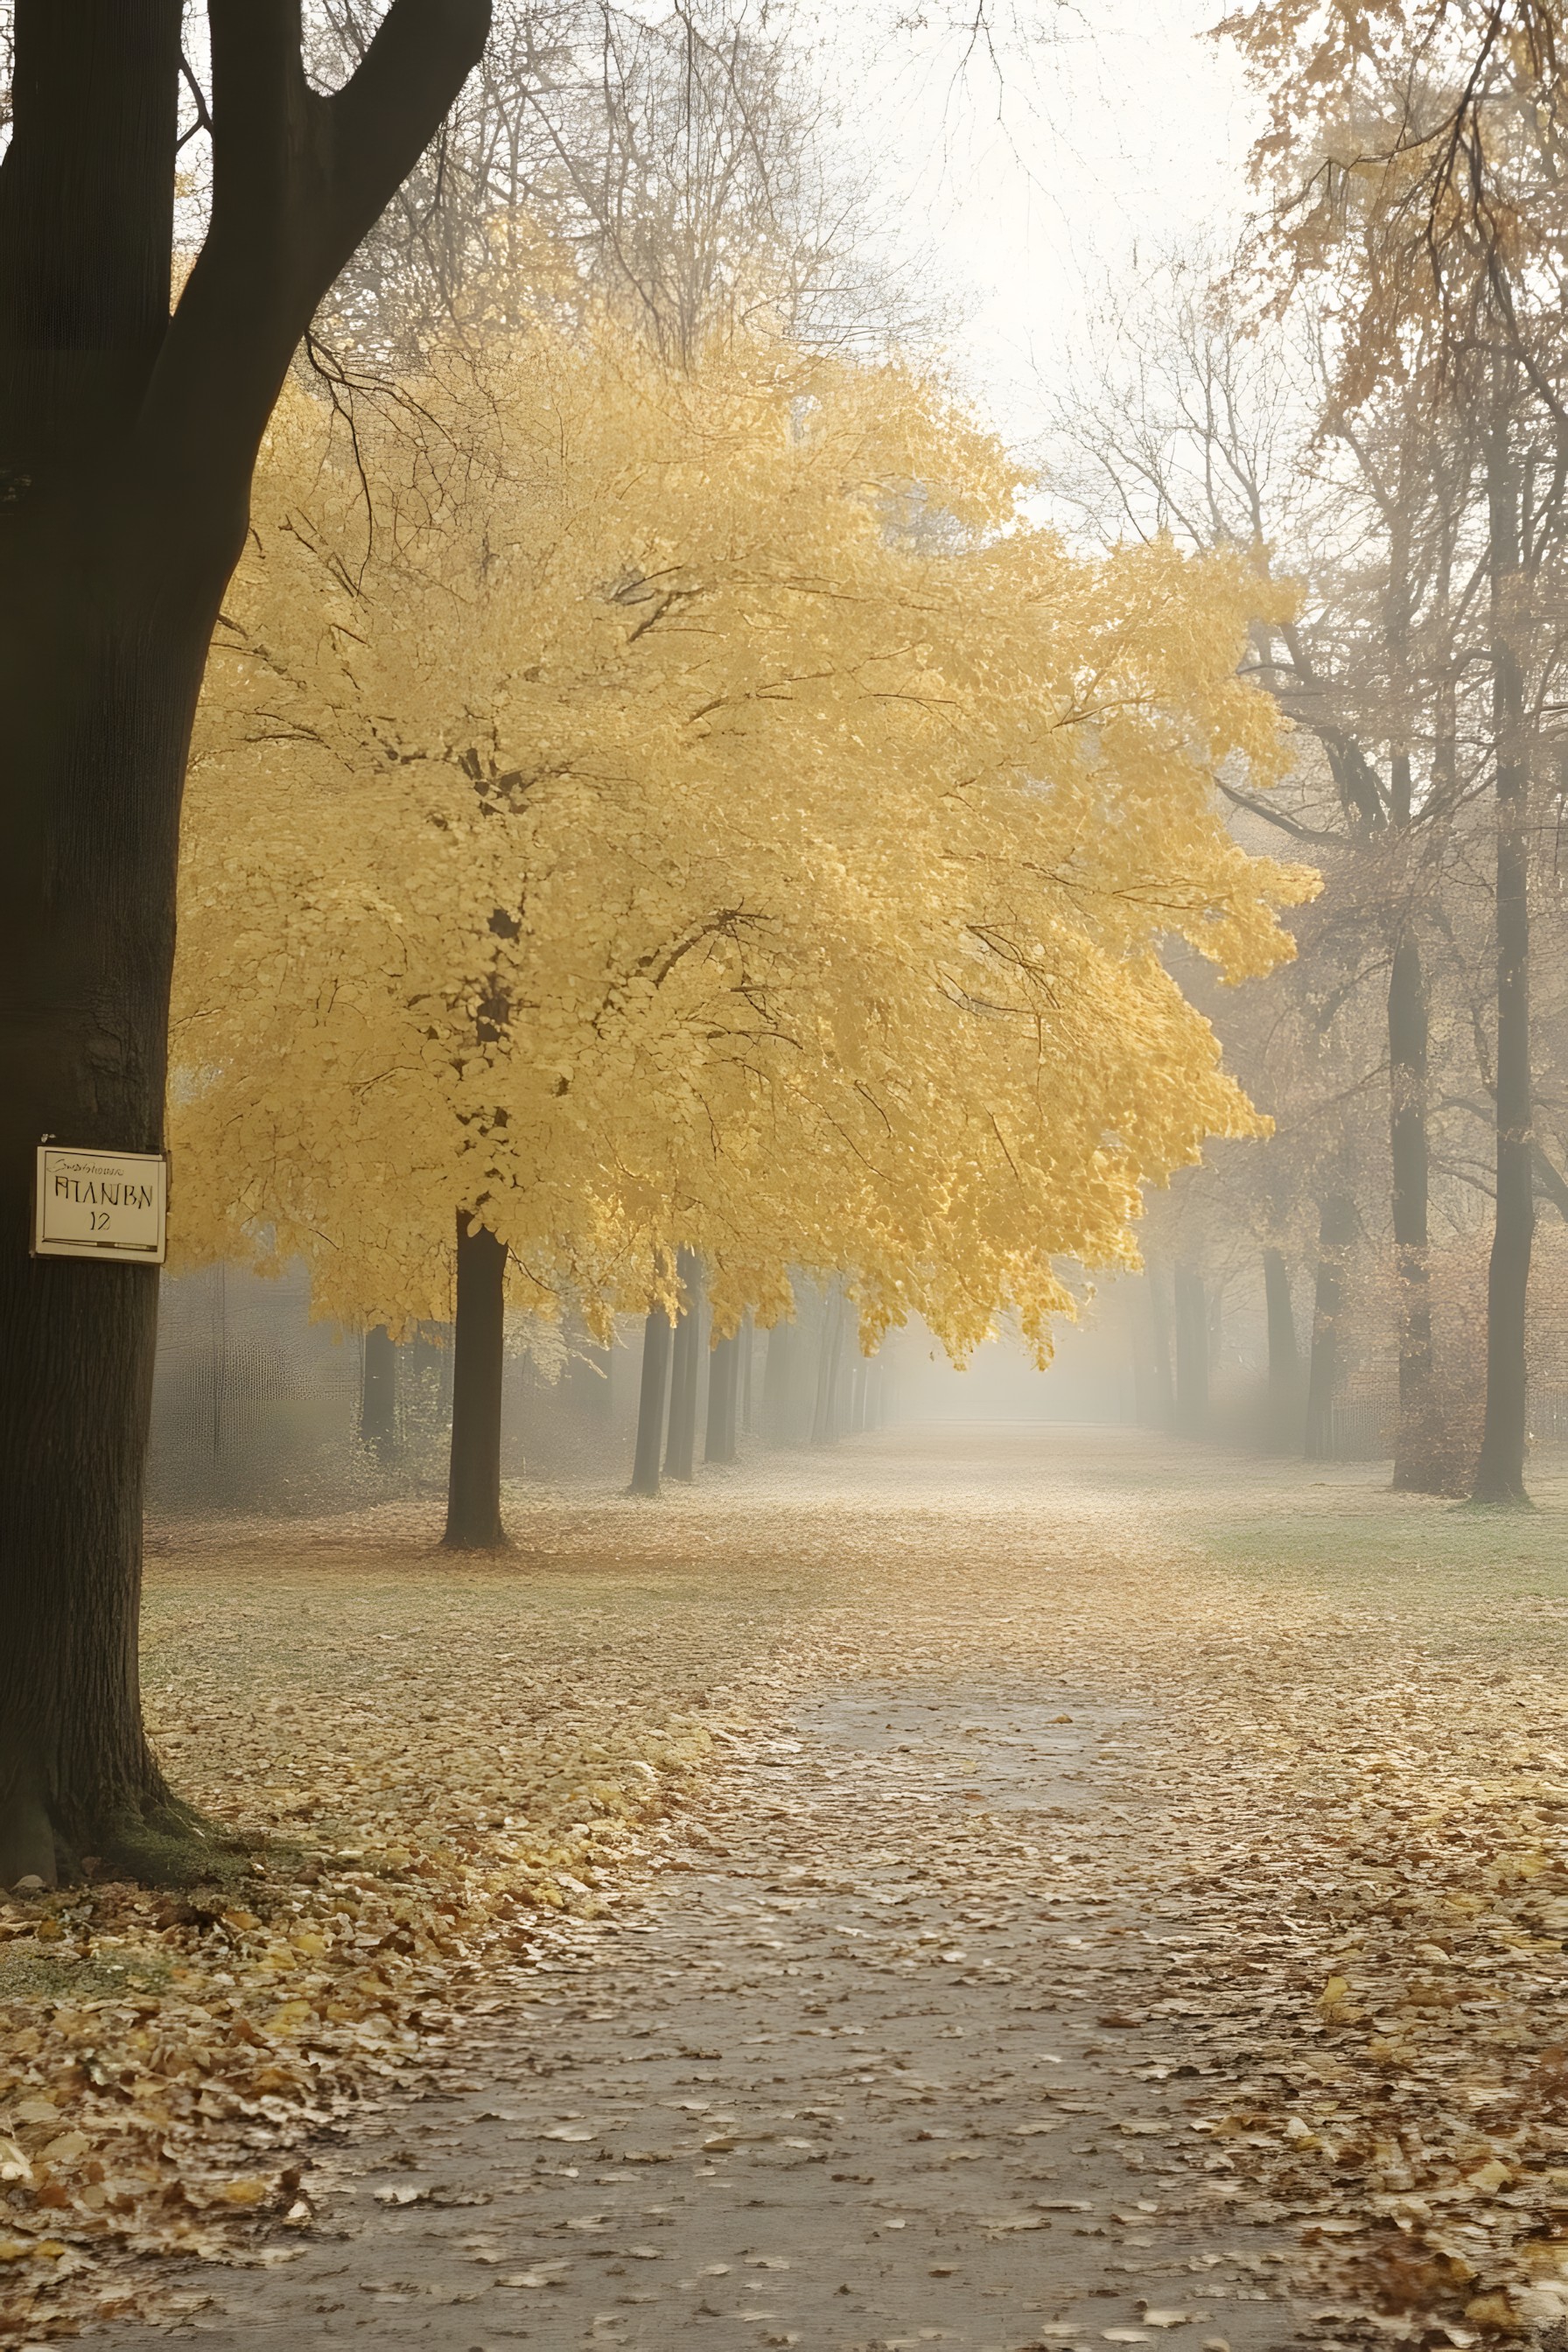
point(1116, 132)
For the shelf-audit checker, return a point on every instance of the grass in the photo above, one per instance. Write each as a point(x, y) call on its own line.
point(1492, 1584)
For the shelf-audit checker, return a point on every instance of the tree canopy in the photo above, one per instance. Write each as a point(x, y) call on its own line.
point(646, 807)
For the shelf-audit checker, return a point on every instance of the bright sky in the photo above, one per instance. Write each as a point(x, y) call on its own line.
point(1118, 134)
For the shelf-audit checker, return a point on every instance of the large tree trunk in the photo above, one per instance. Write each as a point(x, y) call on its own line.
point(1284, 1433)
point(681, 1449)
point(653, 1398)
point(478, 1372)
point(1418, 1445)
point(1499, 1473)
point(127, 442)
point(1337, 1225)
point(1192, 1402)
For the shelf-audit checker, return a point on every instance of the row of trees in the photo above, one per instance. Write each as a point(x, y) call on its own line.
point(658, 792)
point(666, 1396)
point(687, 814)
point(1375, 400)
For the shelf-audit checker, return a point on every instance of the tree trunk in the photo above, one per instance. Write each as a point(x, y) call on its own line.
point(479, 1367)
point(681, 1451)
point(378, 1395)
point(1192, 1414)
point(653, 1396)
point(1284, 1433)
point(724, 1368)
point(1336, 1231)
point(1418, 1445)
point(1499, 1473)
point(748, 1371)
point(126, 441)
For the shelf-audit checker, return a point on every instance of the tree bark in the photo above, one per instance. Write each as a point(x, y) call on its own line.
point(1192, 1413)
point(1284, 1361)
point(479, 1370)
point(1337, 1225)
point(724, 1368)
point(126, 441)
point(653, 1397)
point(680, 1450)
point(378, 1395)
point(1500, 1472)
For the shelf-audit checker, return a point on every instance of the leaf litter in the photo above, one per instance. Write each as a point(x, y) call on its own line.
point(1355, 1893)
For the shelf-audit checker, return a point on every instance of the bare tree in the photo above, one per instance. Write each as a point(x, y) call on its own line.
point(1415, 169)
point(1188, 420)
point(695, 169)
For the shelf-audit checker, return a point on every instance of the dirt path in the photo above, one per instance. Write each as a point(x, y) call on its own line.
point(844, 2092)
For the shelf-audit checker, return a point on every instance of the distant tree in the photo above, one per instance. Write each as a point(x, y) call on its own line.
point(1226, 430)
point(695, 168)
point(1412, 161)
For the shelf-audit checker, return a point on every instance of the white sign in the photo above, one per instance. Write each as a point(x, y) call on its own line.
point(100, 1205)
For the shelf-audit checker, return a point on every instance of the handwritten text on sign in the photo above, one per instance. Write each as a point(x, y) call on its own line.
point(100, 1205)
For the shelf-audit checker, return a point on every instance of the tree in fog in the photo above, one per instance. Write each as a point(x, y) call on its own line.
point(127, 438)
point(1201, 424)
point(1414, 168)
point(691, 809)
point(696, 169)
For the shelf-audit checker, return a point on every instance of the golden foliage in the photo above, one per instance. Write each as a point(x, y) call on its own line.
point(701, 809)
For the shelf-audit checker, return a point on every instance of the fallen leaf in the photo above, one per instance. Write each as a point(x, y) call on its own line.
point(248, 2188)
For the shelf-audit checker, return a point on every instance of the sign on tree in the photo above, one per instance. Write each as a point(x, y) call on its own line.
point(100, 1205)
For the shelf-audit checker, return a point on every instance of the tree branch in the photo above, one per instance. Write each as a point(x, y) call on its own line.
point(383, 118)
point(298, 179)
point(1547, 1178)
point(1280, 817)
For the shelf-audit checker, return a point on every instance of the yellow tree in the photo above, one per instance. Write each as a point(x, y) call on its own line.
point(694, 809)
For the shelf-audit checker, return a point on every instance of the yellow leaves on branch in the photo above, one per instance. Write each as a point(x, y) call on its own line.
point(701, 809)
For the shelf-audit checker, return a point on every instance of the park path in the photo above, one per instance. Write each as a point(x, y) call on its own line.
point(833, 2097)
point(873, 2066)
